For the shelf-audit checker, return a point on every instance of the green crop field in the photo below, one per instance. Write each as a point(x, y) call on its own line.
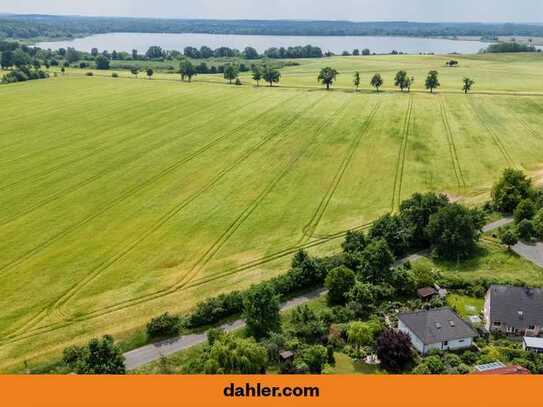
point(122, 199)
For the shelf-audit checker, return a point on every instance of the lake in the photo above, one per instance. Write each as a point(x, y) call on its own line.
point(381, 45)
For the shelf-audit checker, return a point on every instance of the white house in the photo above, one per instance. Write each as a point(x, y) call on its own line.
point(437, 329)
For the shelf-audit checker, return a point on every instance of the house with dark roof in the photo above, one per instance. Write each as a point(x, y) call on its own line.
point(514, 310)
point(436, 329)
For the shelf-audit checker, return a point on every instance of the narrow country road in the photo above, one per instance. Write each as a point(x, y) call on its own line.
point(150, 353)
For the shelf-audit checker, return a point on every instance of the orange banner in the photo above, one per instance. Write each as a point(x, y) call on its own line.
point(336, 391)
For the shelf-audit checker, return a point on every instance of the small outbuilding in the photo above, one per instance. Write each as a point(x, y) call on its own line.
point(532, 344)
point(427, 293)
point(437, 329)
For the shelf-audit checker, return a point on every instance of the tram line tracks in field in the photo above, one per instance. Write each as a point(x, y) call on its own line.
point(126, 194)
point(495, 138)
point(106, 147)
point(115, 166)
point(97, 128)
point(457, 168)
point(68, 295)
point(402, 153)
point(310, 228)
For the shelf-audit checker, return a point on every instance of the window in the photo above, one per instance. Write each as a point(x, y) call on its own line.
point(446, 343)
point(497, 323)
point(461, 340)
point(531, 327)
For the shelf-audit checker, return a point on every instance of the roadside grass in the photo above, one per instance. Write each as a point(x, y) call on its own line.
point(122, 199)
point(491, 262)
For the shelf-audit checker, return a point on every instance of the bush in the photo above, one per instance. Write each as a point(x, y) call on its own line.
point(512, 188)
point(394, 350)
point(339, 282)
point(526, 230)
point(216, 309)
point(524, 210)
point(163, 326)
point(114, 75)
point(89, 74)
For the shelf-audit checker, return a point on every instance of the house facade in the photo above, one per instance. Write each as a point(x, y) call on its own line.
point(438, 329)
point(514, 311)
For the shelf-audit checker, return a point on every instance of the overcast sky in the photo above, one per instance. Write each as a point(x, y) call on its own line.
point(358, 10)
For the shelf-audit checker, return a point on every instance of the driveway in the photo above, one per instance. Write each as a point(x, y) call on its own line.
point(530, 251)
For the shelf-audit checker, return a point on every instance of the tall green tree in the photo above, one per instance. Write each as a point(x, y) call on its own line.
point(512, 187)
point(261, 310)
point(20, 58)
point(376, 81)
point(231, 72)
point(376, 262)
point(187, 70)
point(432, 81)
point(356, 80)
point(339, 282)
point(327, 76)
point(401, 80)
point(454, 230)
point(102, 63)
point(99, 356)
point(150, 73)
point(257, 74)
point(271, 75)
point(6, 61)
point(467, 85)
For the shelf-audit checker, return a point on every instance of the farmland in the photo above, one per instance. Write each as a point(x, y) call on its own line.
point(122, 199)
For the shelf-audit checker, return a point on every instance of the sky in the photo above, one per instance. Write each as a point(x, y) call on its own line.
point(355, 10)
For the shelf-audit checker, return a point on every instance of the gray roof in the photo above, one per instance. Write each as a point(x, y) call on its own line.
point(437, 325)
point(518, 307)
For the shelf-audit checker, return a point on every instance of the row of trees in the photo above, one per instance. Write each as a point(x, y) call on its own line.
point(327, 76)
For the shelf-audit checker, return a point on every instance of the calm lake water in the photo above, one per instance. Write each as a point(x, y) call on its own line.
point(129, 41)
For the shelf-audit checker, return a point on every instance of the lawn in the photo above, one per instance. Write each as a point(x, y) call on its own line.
point(464, 305)
point(122, 199)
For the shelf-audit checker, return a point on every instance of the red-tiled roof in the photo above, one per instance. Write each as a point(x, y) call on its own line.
point(505, 370)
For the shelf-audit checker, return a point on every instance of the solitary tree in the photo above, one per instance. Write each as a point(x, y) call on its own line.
point(230, 354)
point(327, 76)
point(376, 81)
point(150, 73)
point(231, 72)
point(257, 74)
point(401, 79)
point(135, 71)
point(410, 82)
point(356, 80)
point(432, 81)
point(509, 238)
point(271, 75)
point(468, 84)
point(187, 70)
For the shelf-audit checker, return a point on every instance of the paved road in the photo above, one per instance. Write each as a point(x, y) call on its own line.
point(146, 354)
point(498, 224)
point(530, 251)
point(149, 353)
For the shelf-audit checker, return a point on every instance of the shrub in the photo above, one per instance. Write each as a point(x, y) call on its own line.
point(339, 282)
point(165, 325)
point(114, 75)
point(526, 230)
point(524, 210)
point(394, 350)
point(89, 74)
